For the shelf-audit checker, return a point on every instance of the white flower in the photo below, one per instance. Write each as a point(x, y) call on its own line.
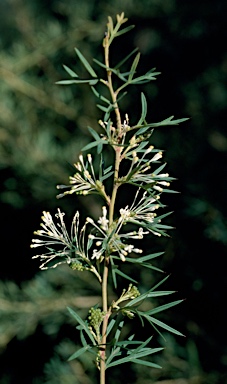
point(157, 188)
point(165, 183)
point(97, 254)
point(122, 256)
point(84, 181)
point(157, 156)
point(129, 248)
point(57, 235)
point(125, 214)
point(103, 221)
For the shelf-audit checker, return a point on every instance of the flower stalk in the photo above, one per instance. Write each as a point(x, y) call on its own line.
point(102, 246)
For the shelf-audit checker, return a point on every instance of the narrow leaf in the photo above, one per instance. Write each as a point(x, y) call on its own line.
point(100, 147)
point(163, 325)
point(142, 345)
point(93, 144)
point(133, 356)
point(70, 71)
point(147, 363)
point(167, 121)
point(94, 133)
point(85, 63)
point(104, 109)
point(100, 63)
point(68, 82)
point(115, 352)
point(163, 307)
point(110, 326)
point(125, 30)
point(106, 176)
point(133, 67)
point(158, 170)
point(79, 352)
point(113, 271)
point(99, 96)
point(107, 116)
point(144, 109)
point(118, 331)
point(82, 338)
point(150, 256)
point(125, 59)
point(82, 323)
point(125, 276)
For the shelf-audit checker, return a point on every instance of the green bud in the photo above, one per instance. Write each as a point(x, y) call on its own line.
point(77, 266)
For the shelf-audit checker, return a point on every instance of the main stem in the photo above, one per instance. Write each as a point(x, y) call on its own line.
point(111, 216)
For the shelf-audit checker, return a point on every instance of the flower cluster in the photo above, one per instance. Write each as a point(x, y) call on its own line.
point(53, 235)
point(84, 180)
point(111, 240)
point(139, 173)
point(68, 248)
point(78, 251)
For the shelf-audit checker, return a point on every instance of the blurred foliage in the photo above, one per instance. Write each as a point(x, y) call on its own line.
point(43, 127)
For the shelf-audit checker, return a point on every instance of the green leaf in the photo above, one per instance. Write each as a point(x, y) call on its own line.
point(99, 96)
point(100, 147)
point(107, 116)
point(82, 323)
point(122, 95)
point(79, 352)
point(100, 64)
point(147, 295)
point(162, 325)
point(115, 352)
point(169, 191)
point(163, 307)
point(168, 121)
point(124, 343)
point(113, 272)
point(125, 59)
point(145, 78)
point(150, 266)
point(150, 293)
point(143, 130)
point(107, 170)
point(142, 261)
point(125, 276)
point(133, 67)
point(93, 144)
point(150, 256)
point(82, 338)
point(163, 226)
point(144, 109)
point(159, 283)
point(125, 30)
point(106, 176)
point(134, 356)
point(94, 134)
point(85, 63)
point(143, 344)
point(158, 170)
point(104, 109)
point(138, 149)
point(147, 363)
point(110, 326)
point(70, 71)
point(68, 82)
point(158, 218)
point(118, 331)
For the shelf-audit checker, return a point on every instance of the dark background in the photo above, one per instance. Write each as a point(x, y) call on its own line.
point(43, 127)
